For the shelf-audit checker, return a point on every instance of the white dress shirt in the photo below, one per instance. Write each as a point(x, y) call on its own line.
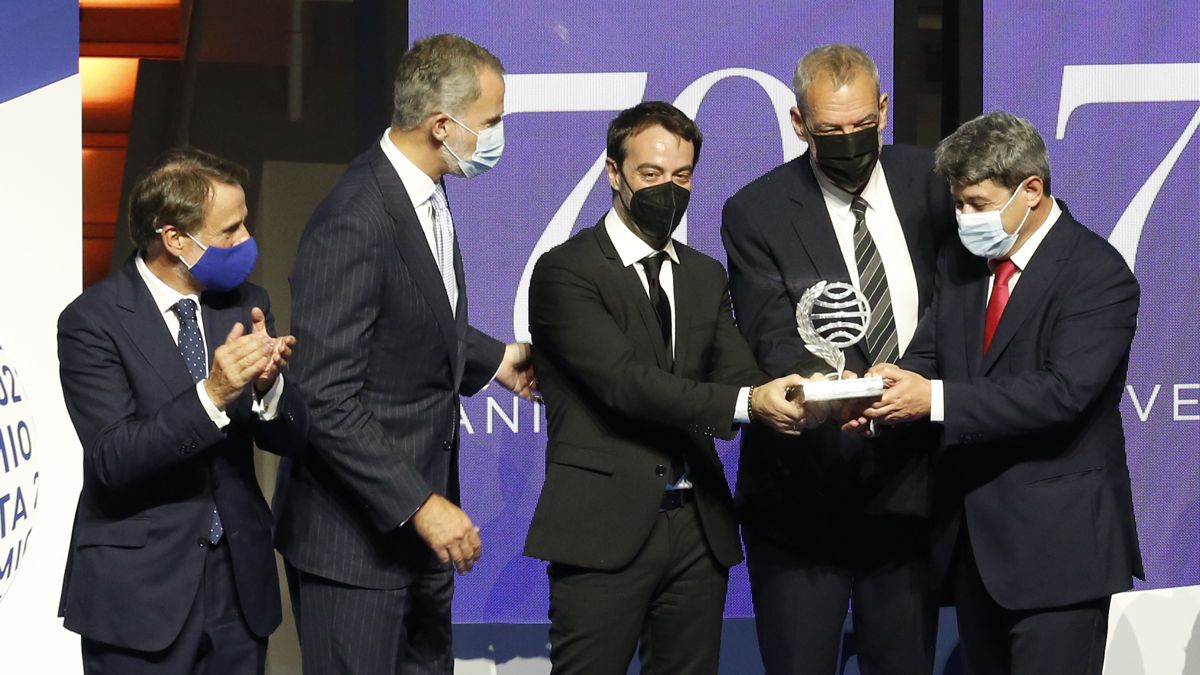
point(419, 187)
point(632, 250)
point(165, 299)
point(885, 229)
point(937, 403)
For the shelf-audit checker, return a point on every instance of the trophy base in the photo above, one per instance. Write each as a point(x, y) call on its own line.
point(840, 390)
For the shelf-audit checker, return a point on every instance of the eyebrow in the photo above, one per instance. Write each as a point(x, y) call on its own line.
point(873, 117)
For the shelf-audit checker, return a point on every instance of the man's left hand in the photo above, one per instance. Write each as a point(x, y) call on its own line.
point(281, 352)
point(516, 371)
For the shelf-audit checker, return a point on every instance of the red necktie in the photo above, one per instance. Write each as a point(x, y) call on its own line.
point(995, 307)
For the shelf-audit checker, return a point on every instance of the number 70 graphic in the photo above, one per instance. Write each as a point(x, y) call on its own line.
point(1133, 83)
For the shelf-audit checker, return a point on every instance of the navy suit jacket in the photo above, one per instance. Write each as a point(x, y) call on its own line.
point(381, 360)
point(780, 241)
point(1033, 453)
point(155, 465)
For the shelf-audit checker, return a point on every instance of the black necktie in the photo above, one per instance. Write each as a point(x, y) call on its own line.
point(652, 264)
point(191, 347)
point(881, 339)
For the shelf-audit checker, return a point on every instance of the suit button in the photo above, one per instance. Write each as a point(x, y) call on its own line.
point(195, 445)
point(660, 470)
point(202, 542)
point(183, 449)
point(446, 445)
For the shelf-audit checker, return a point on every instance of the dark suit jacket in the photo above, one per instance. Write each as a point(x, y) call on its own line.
point(616, 414)
point(155, 464)
point(381, 360)
point(1034, 451)
point(780, 241)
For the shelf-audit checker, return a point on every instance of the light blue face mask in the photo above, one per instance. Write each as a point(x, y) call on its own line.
point(982, 232)
point(488, 148)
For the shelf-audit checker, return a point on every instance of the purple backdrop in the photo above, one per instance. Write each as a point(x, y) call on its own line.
point(728, 66)
point(1114, 88)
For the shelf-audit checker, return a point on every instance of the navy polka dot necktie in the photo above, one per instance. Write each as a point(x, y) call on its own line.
point(191, 347)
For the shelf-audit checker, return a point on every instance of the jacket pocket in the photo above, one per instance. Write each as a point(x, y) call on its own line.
point(132, 533)
point(581, 458)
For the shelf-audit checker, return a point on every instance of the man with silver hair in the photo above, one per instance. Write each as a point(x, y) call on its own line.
point(828, 515)
point(369, 521)
point(1022, 361)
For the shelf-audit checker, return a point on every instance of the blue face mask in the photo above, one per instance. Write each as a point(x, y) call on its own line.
point(982, 232)
point(224, 269)
point(488, 149)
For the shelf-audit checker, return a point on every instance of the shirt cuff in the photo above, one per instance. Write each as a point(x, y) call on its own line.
point(741, 408)
point(215, 414)
point(267, 407)
point(937, 408)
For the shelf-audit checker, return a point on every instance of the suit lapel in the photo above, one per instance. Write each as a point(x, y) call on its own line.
point(413, 248)
point(974, 308)
point(1036, 280)
point(146, 329)
point(634, 294)
point(685, 309)
point(912, 212)
point(812, 223)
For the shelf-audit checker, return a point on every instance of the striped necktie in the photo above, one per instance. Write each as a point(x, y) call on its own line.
point(443, 237)
point(881, 339)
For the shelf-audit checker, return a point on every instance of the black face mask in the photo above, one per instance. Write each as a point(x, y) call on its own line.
point(658, 209)
point(847, 159)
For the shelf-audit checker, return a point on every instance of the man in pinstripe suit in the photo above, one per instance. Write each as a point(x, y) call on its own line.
point(368, 520)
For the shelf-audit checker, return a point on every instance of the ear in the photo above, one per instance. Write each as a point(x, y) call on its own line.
point(883, 113)
point(439, 126)
point(798, 123)
point(614, 175)
point(1034, 190)
point(171, 238)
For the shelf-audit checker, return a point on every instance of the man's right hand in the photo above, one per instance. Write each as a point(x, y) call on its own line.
point(779, 404)
point(235, 364)
point(449, 532)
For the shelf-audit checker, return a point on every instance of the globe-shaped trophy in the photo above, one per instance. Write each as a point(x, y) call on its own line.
point(833, 316)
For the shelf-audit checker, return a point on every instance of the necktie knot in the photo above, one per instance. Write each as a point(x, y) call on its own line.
point(858, 206)
point(185, 309)
point(653, 265)
point(1004, 271)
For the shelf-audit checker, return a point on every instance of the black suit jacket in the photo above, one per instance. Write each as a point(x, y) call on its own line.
point(617, 414)
point(155, 465)
point(381, 360)
point(1034, 451)
point(780, 241)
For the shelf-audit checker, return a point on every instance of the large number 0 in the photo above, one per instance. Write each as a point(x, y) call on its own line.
point(1136, 83)
point(598, 92)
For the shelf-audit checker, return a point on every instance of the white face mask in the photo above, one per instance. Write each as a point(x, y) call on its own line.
point(982, 232)
point(488, 149)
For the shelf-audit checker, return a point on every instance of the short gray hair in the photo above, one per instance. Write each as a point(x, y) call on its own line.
point(996, 146)
point(841, 63)
point(438, 74)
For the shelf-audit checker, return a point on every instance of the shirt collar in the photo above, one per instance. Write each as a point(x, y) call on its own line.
point(1022, 257)
point(630, 248)
point(163, 295)
point(417, 183)
point(838, 199)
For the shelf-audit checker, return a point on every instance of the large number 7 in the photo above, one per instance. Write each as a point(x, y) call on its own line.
point(1133, 83)
point(597, 92)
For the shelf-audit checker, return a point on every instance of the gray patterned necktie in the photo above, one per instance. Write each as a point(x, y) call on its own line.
point(881, 339)
point(191, 347)
point(443, 238)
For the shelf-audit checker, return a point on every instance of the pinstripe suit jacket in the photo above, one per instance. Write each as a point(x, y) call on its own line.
point(381, 361)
